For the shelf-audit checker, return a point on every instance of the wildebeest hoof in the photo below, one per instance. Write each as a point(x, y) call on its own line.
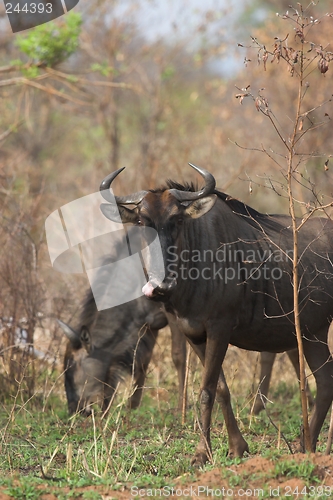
point(199, 459)
point(238, 450)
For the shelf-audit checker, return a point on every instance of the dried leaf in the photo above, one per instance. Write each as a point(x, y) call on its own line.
point(323, 65)
point(257, 103)
point(294, 56)
point(241, 97)
point(264, 59)
point(276, 52)
point(300, 34)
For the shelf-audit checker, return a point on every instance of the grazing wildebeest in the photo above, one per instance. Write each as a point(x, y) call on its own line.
point(112, 343)
point(228, 279)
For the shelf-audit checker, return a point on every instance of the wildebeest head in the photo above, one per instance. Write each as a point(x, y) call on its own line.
point(110, 344)
point(85, 376)
point(165, 210)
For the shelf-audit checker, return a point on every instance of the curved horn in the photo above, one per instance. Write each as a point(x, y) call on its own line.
point(132, 199)
point(71, 334)
point(205, 191)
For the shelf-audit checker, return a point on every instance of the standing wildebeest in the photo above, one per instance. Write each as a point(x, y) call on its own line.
point(111, 343)
point(228, 279)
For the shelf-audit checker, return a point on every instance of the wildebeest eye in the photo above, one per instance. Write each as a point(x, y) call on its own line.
point(139, 222)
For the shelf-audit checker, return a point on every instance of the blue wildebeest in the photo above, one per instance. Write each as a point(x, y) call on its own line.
point(228, 279)
point(112, 343)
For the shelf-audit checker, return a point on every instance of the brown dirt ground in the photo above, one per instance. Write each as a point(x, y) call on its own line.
point(256, 472)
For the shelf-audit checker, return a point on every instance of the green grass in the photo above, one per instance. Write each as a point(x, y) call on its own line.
point(304, 470)
point(148, 447)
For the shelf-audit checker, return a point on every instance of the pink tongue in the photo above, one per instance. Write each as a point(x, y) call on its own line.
point(148, 289)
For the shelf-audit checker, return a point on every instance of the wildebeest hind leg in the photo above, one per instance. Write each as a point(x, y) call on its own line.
point(266, 367)
point(317, 356)
point(178, 352)
point(294, 358)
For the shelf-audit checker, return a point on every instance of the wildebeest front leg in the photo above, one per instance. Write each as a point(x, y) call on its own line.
point(206, 400)
point(141, 362)
point(237, 444)
point(211, 355)
point(136, 397)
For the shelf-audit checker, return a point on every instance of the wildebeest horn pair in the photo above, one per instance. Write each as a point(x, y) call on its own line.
point(135, 198)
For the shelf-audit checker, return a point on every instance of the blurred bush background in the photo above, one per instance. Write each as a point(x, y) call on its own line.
point(143, 85)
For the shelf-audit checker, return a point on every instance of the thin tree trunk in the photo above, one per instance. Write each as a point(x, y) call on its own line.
point(306, 428)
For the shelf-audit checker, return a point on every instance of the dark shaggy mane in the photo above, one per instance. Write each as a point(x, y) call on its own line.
point(170, 184)
point(188, 186)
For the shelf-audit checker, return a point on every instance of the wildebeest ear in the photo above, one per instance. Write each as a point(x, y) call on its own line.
point(71, 334)
point(200, 207)
point(112, 212)
point(85, 338)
